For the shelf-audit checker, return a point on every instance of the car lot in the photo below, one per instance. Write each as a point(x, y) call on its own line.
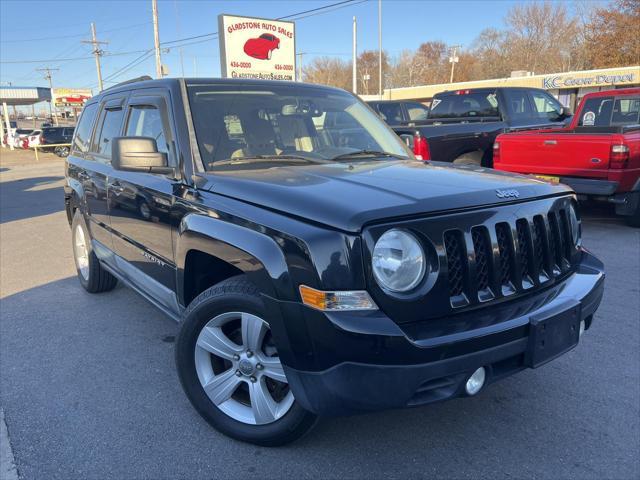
point(89, 389)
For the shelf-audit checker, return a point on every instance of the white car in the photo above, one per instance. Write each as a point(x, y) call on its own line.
point(34, 138)
point(20, 136)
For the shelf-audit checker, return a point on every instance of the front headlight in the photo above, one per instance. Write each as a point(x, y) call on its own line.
point(398, 261)
point(575, 225)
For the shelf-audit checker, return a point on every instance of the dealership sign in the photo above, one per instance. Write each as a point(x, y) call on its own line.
point(559, 81)
point(257, 48)
point(70, 97)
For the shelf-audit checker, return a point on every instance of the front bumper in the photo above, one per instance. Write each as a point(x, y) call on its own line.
point(344, 363)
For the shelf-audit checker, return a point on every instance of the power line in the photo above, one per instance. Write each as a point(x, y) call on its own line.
point(131, 52)
point(130, 65)
point(60, 37)
point(307, 13)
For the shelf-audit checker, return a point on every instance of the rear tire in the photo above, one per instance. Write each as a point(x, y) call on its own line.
point(634, 219)
point(93, 277)
point(251, 401)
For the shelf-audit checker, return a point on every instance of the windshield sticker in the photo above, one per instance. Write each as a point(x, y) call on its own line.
point(435, 103)
point(492, 100)
point(589, 118)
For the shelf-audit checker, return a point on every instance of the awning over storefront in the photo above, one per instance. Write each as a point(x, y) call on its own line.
point(24, 95)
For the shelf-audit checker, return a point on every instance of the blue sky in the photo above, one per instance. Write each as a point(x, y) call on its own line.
point(127, 26)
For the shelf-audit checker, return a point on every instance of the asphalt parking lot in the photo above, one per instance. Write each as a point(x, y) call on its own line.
point(89, 390)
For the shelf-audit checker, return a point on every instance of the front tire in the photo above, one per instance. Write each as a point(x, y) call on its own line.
point(230, 370)
point(93, 277)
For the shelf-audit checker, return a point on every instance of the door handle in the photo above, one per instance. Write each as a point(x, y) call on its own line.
point(550, 142)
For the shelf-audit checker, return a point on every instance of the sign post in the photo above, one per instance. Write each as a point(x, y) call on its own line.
point(257, 48)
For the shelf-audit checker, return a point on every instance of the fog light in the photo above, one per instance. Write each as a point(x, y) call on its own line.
point(476, 381)
point(582, 327)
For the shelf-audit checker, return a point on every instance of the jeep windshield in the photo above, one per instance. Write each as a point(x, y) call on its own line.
point(246, 123)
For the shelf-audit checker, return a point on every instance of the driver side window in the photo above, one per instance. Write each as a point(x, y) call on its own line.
point(146, 121)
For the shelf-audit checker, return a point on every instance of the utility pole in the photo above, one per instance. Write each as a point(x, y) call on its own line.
point(300, 65)
point(97, 52)
point(52, 111)
point(453, 59)
point(175, 5)
point(156, 38)
point(355, 57)
point(380, 49)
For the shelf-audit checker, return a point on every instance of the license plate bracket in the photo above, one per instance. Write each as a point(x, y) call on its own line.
point(552, 335)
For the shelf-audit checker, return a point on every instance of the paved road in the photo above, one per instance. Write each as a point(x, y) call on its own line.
point(89, 388)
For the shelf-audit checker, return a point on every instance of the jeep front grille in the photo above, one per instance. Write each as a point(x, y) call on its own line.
point(507, 257)
point(454, 243)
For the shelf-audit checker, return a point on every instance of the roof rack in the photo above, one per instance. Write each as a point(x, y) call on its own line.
point(133, 80)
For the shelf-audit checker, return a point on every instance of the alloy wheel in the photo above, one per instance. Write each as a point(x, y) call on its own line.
point(81, 252)
point(239, 369)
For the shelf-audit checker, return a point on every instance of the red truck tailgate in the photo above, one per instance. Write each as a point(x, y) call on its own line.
point(556, 153)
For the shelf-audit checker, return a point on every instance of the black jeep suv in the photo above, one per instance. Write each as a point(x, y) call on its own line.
point(316, 267)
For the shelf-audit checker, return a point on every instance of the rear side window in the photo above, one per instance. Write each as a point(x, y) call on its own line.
point(83, 132)
point(111, 127)
point(417, 111)
point(626, 111)
point(465, 105)
point(518, 104)
point(146, 121)
point(390, 112)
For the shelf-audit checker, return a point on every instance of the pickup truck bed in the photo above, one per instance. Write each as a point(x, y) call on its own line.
point(462, 125)
point(597, 158)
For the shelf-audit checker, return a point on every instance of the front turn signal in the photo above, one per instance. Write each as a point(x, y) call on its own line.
point(337, 300)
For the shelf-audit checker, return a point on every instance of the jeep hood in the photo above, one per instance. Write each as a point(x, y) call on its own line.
point(347, 196)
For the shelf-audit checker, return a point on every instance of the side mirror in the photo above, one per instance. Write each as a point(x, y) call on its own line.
point(139, 154)
point(408, 140)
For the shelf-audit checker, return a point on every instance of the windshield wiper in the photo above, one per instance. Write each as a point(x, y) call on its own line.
point(253, 158)
point(369, 153)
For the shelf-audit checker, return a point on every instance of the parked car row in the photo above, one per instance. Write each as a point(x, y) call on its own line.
point(525, 130)
point(29, 138)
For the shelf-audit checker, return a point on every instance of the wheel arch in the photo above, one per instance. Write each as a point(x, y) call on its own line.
point(73, 195)
point(235, 249)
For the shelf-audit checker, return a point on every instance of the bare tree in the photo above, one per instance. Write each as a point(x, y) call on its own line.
point(613, 35)
point(328, 71)
point(368, 71)
point(536, 36)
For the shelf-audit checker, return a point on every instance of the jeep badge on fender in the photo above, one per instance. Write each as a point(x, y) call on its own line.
point(315, 266)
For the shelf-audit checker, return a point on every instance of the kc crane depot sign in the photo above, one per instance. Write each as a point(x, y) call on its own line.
point(576, 81)
point(257, 48)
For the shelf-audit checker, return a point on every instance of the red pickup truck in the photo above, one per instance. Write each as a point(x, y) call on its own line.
point(598, 154)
